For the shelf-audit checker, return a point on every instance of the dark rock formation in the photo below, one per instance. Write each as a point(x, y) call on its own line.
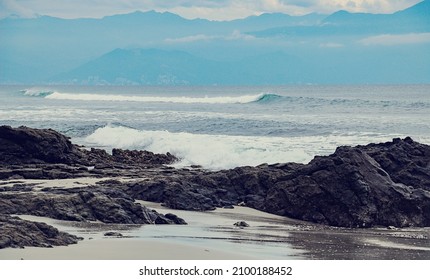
point(108, 205)
point(175, 219)
point(25, 145)
point(18, 233)
point(406, 161)
point(141, 157)
point(241, 224)
point(384, 184)
point(27, 153)
point(349, 188)
point(28, 145)
point(113, 234)
point(378, 184)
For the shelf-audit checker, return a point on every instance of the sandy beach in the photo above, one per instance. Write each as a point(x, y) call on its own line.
point(208, 235)
point(119, 249)
point(212, 235)
point(142, 242)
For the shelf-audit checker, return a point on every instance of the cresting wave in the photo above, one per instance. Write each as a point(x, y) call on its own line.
point(263, 98)
point(36, 92)
point(243, 99)
point(217, 152)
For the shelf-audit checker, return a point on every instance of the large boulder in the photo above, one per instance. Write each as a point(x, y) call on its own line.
point(27, 145)
point(350, 189)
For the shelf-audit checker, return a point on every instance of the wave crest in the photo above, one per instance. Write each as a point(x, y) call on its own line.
point(36, 92)
point(243, 99)
point(268, 97)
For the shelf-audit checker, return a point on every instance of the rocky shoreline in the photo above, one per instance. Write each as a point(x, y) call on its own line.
point(385, 184)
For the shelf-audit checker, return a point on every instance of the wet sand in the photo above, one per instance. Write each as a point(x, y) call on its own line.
point(118, 249)
point(212, 235)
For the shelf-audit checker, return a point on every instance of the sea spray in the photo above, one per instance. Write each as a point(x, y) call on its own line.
point(217, 152)
point(210, 151)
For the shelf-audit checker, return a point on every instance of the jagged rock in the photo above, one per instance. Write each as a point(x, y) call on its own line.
point(113, 234)
point(168, 219)
point(141, 157)
point(241, 224)
point(78, 204)
point(26, 145)
point(350, 189)
point(406, 161)
point(378, 184)
point(18, 233)
point(175, 219)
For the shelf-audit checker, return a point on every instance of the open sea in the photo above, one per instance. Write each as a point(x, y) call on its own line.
point(224, 127)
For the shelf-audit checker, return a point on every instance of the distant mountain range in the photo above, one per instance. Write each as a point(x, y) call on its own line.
point(154, 48)
point(415, 19)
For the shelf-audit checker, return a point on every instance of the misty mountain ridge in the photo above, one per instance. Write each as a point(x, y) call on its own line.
point(415, 19)
point(163, 67)
point(165, 48)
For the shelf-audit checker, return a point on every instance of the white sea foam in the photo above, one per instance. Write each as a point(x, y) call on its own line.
point(163, 99)
point(222, 151)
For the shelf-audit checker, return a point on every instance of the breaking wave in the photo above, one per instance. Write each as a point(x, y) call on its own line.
point(261, 98)
point(268, 97)
point(217, 152)
point(210, 151)
point(36, 92)
point(243, 99)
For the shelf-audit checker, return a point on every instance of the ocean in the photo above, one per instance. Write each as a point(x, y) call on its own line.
point(224, 127)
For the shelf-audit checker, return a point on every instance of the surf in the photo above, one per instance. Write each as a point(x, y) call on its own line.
point(36, 92)
point(268, 97)
point(241, 99)
point(216, 152)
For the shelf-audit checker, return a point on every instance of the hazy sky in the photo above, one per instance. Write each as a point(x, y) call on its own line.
point(210, 9)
